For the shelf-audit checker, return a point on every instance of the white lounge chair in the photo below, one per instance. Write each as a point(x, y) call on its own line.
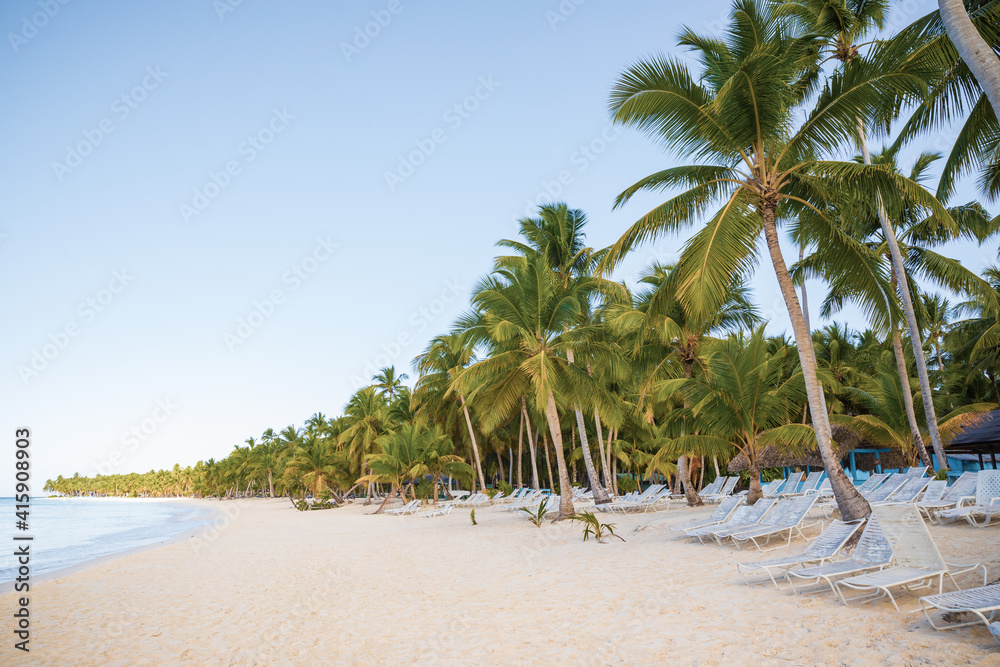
point(987, 505)
point(823, 548)
point(810, 485)
point(962, 492)
point(907, 492)
point(727, 490)
point(720, 514)
point(916, 559)
point(792, 521)
point(409, 508)
point(983, 602)
point(744, 518)
point(651, 491)
point(713, 487)
point(872, 552)
point(444, 510)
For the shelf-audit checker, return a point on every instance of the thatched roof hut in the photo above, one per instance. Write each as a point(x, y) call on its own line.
point(845, 440)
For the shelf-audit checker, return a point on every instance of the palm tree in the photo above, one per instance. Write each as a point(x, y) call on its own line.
point(316, 465)
point(399, 461)
point(976, 52)
point(740, 112)
point(525, 315)
point(441, 362)
point(884, 425)
point(744, 401)
point(556, 237)
point(669, 335)
point(388, 382)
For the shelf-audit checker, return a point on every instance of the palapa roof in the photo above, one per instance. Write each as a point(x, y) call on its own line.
point(982, 437)
point(845, 440)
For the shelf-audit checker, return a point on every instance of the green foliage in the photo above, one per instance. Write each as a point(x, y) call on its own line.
point(505, 487)
point(537, 515)
point(592, 526)
point(626, 484)
point(472, 515)
point(424, 489)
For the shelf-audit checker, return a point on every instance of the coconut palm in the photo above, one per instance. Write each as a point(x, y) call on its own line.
point(740, 113)
point(667, 340)
point(976, 52)
point(389, 382)
point(440, 363)
point(742, 401)
point(525, 315)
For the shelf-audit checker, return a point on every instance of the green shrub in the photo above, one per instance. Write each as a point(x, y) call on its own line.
point(627, 485)
point(537, 515)
point(506, 488)
point(593, 526)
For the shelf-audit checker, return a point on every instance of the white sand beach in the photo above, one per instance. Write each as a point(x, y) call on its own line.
point(271, 586)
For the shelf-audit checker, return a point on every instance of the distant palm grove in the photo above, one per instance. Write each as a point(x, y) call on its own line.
point(802, 121)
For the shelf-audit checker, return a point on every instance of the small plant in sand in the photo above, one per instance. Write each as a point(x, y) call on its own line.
point(537, 515)
point(593, 526)
point(472, 515)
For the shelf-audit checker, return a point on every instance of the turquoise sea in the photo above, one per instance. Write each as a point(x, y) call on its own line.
point(71, 531)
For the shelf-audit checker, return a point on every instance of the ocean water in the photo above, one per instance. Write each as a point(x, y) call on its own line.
point(72, 531)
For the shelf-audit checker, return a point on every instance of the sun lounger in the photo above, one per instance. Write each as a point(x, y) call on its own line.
point(822, 549)
point(792, 521)
point(791, 484)
point(720, 514)
point(962, 492)
point(409, 508)
point(983, 603)
point(475, 500)
point(907, 493)
point(872, 552)
point(987, 505)
point(916, 472)
point(713, 487)
point(744, 518)
point(653, 503)
point(770, 490)
point(727, 490)
point(652, 491)
point(916, 559)
point(444, 510)
point(809, 486)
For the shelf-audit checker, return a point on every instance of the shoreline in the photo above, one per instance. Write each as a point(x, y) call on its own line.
point(280, 587)
point(201, 524)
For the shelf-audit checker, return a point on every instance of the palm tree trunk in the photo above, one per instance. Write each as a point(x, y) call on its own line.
point(756, 492)
point(531, 444)
point(851, 503)
point(973, 49)
point(270, 482)
point(683, 469)
point(475, 447)
point(911, 414)
point(911, 317)
point(600, 494)
point(500, 463)
point(520, 451)
point(606, 473)
point(548, 461)
point(566, 509)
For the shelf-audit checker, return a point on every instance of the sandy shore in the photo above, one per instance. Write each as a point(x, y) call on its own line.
point(271, 586)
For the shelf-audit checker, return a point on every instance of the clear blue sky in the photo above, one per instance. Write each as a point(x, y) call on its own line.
point(173, 167)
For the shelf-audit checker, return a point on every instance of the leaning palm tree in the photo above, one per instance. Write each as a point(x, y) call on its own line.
point(439, 365)
point(739, 114)
point(316, 465)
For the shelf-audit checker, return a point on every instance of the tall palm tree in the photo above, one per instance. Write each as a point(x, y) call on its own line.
point(740, 113)
point(524, 312)
point(389, 382)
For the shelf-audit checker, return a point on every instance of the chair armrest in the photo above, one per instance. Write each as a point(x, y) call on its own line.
point(965, 500)
point(963, 568)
